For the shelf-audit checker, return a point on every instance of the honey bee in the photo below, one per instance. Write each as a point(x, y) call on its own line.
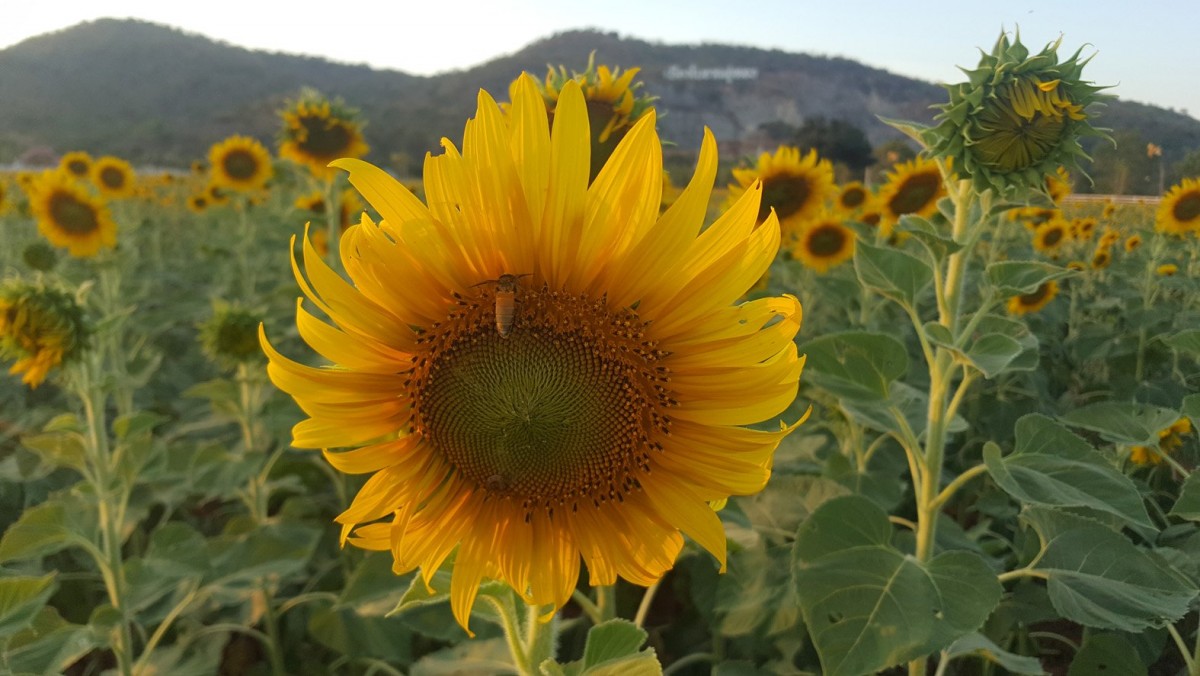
point(506, 298)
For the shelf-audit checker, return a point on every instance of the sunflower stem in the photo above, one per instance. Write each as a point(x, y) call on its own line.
point(539, 637)
point(112, 568)
point(647, 600)
point(271, 624)
point(606, 601)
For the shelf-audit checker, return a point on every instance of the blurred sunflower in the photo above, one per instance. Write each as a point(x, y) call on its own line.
point(595, 421)
point(78, 164)
point(824, 243)
point(1169, 441)
point(1167, 270)
point(1017, 119)
point(1058, 185)
point(216, 195)
point(1179, 211)
point(113, 177)
point(350, 206)
point(1033, 302)
point(1132, 243)
point(317, 131)
point(1051, 236)
point(240, 163)
point(612, 100)
point(795, 187)
point(912, 188)
point(1082, 229)
point(1101, 257)
point(852, 198)
point(68, 216)
point(197, 203)
point(40, 328)
point(5, 201)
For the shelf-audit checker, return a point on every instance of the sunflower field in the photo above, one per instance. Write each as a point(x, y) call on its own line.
point(546, 409)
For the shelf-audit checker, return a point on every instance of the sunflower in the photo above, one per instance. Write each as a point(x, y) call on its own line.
point(216, 195)
point(1169, 441)
point(1082, 229)
point(349, 206)
point(1167, 270)
point(4, 199)
point(1051, 236)
point(612, 100)
point(1132, 243)
point(1179, 211)
point(113, 177)
point(535, 371)
point(1033, 217)
point(795, 187)
point(1109, 210)
point(1101, 258)
point(824, 243)
point(1018, 117)
point(68, 216)
point(313, 203)
point(78, 164)
point(912, 188)
point(1033, 302)
point(240, 163)
point(852, 198)
point(40, 329)
point(197, 203)
point(1058, 185)
point(317, 131)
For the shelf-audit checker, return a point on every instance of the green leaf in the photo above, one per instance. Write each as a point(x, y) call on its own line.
point(1185, 341)
point(177, 550)
point(134, 424)
point(869, 606)
point(481, 656)
point(614, 641)
point(21, 599)
point(278, 549)
point(1123, 422)
point(1188, 504)
point(757, 595)
point(983, 647)
point(892, 273)
point(1012, 278)
point(993, 353)
point(1106, 654)
point(855, 364)
point(1191, 407)
point(48, 646)
point(372, 589)
point(1053, 467)
point(1098, 578)
point(909, 402)
point(62, 521)
point(60, 449)
point(349, 633)
point(938, 243)
point(436, 597)
point(913, 130)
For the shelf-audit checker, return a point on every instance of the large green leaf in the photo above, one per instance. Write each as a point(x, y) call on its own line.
point(66, 519)
point(1123, 422)
point(1098, 578)
point(983, 647)
point(855, 364)
point(1185, 341)
point(757, 595)
point(1106, 654)
point(613, 649)
point(1011, 278)
point(892, 273)
point(21, 598)
point(1053, 467)
point(48, 646)
point(277, 549)
point(1188, 504)
point(868, 605)
point(347, 632)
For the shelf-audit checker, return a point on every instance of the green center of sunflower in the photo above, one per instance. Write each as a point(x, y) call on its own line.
point(325, 137)
point(563, 407)
point(826, 240)
point(915, 192)
point(112, 178)
point(72, 215)
point(787, 193)
point(240, 165)
point(1187, 208)
point(78, 167)
point(1006, 141)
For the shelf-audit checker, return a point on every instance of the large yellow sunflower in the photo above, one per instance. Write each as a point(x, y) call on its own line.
point(113, 177)
point(1179, 211)
point(240, 163)
point(68, 216)
point(77, 163)
point(535, 370)
point(316, 132)
point(824, 243)
point(912, 188)
point(795, 187)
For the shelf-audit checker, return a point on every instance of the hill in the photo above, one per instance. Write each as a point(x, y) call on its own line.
point(159, 95)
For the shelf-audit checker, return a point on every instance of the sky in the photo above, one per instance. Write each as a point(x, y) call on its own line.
point(1146, 50)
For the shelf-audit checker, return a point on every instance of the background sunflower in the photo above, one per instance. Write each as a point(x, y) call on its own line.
point(240, 163)
point(113, 177)
point(68, 216)
point(795, 187)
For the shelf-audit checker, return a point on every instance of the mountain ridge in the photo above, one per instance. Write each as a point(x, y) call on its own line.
point(161, 95)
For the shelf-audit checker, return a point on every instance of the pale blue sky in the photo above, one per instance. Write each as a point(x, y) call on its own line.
point(1148, 50)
